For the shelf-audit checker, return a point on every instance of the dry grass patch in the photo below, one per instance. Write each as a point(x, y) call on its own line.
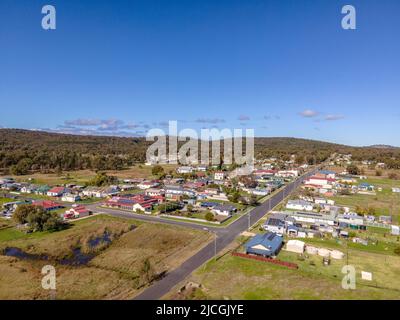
point(115, 272)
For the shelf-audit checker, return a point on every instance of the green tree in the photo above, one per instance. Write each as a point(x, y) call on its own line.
point(157, 170)
point(353, 169)
point(253, 200)
point(21, 213)
point(22, 167)
point(209, 216)
point(146, 272)
point(37, 218)
point(234, 197)
point(102, 179)
point(393, 176)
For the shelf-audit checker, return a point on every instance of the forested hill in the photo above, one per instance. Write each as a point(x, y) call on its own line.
point(22, 150)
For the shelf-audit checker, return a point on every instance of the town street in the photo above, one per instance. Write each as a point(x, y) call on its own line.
point(224, 236)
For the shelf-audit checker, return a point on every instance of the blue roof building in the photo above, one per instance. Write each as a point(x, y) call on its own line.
point(327, 172)
point(267, 244)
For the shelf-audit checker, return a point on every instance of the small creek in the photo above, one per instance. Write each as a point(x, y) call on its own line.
point(77, 258)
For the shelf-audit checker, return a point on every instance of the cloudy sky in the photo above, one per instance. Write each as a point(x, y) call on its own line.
point(283, 68)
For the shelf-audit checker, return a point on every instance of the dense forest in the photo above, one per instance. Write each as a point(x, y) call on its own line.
point(23, 151)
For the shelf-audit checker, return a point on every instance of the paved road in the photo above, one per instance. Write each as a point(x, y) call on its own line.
point(224, 236)
point(149, 218)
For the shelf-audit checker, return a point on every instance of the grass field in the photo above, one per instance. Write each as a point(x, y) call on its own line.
point(385, 202)
point(238, 278)
point(5, 200)
point(80, 177)
point(113, 273)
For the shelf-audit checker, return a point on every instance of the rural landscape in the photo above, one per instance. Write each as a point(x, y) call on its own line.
point(121, 232)
point(187, 158)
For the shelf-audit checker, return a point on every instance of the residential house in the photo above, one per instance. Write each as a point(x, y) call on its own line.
point(126, 187)
point(268, 244)
point(385, 219)
point(101, 192)
point(301, 205)
point(42, 190)
point(366, 187)
point(28, 189)
point(120, 203)
point(211, 191)
point(275, 225)
point(194, 185)
point(320, 182)
point(288, 173)
point(209, 204)
point(76, 212)
point(184, 169)
point(224, 210)
point(48, 205)
point(57, 191)
point(324, 201)
point(352, 219)
point(154, 192)
point(69, 197)
point(6, 180)
point(147, 184)
point(265, 172)
point(219, 175)
point(313, 217)
point(326, 174)
point(260, 191)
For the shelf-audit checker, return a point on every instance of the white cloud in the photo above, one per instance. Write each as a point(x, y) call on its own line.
point(308, 113)
point(210, 120)
point(243, 118)
point(333, 117)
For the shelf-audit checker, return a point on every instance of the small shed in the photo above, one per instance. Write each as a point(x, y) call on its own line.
point(296, 246)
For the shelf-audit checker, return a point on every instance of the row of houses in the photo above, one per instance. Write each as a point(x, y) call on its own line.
point(329, 183)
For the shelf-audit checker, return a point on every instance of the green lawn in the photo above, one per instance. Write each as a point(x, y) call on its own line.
point(239, 278)
point(5, 200)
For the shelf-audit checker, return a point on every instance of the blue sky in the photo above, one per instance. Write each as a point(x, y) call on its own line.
point(284, 68)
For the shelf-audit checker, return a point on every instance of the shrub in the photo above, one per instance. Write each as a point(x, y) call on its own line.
point(393, 176)
point(38, 219)
point(209, 216)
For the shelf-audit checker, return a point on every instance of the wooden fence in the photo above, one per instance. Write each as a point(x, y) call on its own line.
point(289, 265)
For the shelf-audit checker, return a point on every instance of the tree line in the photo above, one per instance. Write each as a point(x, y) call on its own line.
point(25, 151)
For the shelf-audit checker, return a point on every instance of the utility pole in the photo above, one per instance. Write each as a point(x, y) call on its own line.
point(215, 246)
